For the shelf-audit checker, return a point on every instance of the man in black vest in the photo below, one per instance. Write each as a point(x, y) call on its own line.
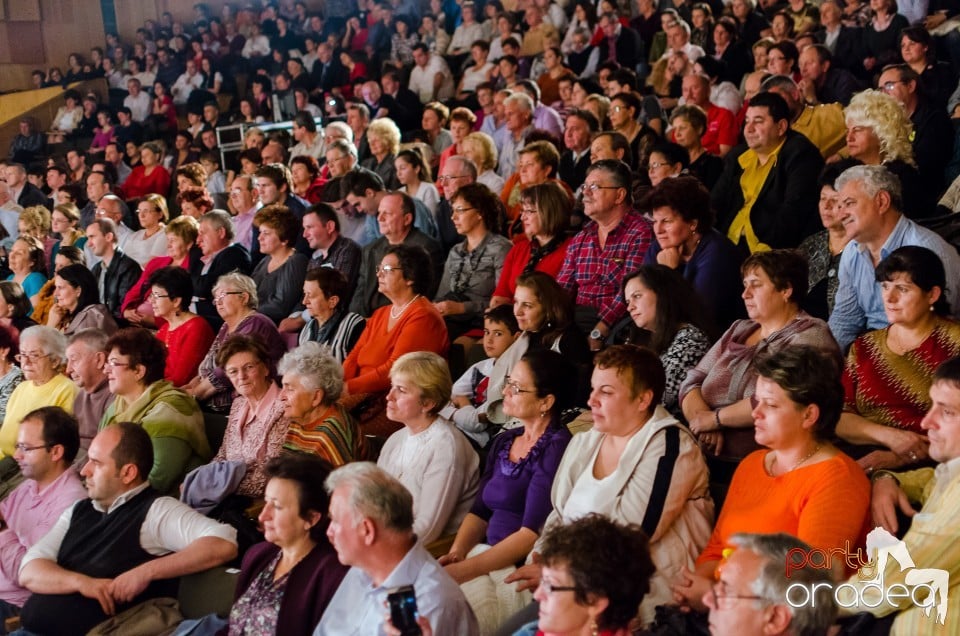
point(123, 545)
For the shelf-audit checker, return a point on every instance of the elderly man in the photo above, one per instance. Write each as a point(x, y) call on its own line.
point(309, 139)
point(116, 272)
point(580, 127)
point(767, 195)
point(929, 553)
point(518, 112)
point(722, 131)
point(621, 44)
point(9, 211)
point(869, 204)
point(328, 73)
point(823, 124)
point(430, 78)
point(110, 207)
point(605, 251)
point(189, 81)
point(138, 101)
point(87, 367)
point(396, 212)
point(245, 201)
point(123, 545)
point(99, 184)
point(678, 41)
point(371, 527)
point(823, 83)
point(544, 117)
point(47, 443)
point(220, 256)
point(752, 590)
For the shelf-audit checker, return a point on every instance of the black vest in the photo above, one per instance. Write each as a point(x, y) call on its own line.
point(98, 545)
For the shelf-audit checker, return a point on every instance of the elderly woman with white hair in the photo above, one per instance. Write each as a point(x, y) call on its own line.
point(384, 139)
point(235, 299)
point(879, 133)
point(429, 455)
point(42, 359)
point(312, 381)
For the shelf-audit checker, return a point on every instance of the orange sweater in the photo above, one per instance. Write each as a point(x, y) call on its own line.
point(824, 504)
point(420, 328)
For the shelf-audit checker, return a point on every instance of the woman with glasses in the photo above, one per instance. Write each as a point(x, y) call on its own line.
point(42, 360)
point(77, 303)
point(235, 299)
point(135, 365)
point(514, 494)
point(473, 266)
point(537, 163)
point(186, 335)
point(799, 483)
point(409, 323)
point(545, 215)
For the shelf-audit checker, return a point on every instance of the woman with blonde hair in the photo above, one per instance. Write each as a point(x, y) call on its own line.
point(879, 133)
point(599, 105)
point(35, 221)
point(151, 241)
point(384, 139)
point(479, 148)
point(63, 221)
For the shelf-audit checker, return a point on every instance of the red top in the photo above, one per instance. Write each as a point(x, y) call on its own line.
point(517, 259)
point(186, 347)
point(721, 130)
point(138, 293)
point(140, 184)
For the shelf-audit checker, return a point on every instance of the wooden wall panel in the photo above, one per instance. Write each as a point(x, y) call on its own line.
point(23, 10)
point(70, 26)
point(131, 15)
point(26, 43)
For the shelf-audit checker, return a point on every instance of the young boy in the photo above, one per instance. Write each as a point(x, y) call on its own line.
point(467, 406)
point(216, 182)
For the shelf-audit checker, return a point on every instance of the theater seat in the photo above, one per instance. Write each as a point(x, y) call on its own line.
point(208, 592)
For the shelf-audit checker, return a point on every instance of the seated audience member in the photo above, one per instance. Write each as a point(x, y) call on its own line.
point(429, 456)
point(879, 134)
point(689, 124)
point(666, 160)
point(116, 272)
point(766, 196)
point(235, 297)
point(667, 317)
point(824, 248)
point(469, 393)
point(220, 256)
point(47, 444)
point(822, 124)
point(149, 176)
point(636, 465)
point(15, 315)
point(577, 133)
point(10, 374)
point(27, 263)
point(307, 182)
point(185, 335)
point(537, 162)
point(720, 135)
point(414, 177)
point(604, 251)
point(409, 323)
point(150, 241)
point(195, 203)
point(87, 366)
point(687, 242)
point(930, 537)
point(384, 139)
point(279, 276)
point(77, 571)
point(286, 582)
point(371, 527)
point(331, 323)
point(716, 396)
point(64, 220)
point(755, 571)
point(480, 149)
point(135, 367)
point(582, 556)
point(182, 250)
point(545, 215)
point(42, 358)
point(823, 82)
point(513, 498)
point(473, 266)
point(799, 483)
point(870, 203)
point(77, 303)
point(312, 382)
point(888, 371)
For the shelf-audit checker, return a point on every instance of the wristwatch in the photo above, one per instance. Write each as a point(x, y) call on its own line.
point(596, 335)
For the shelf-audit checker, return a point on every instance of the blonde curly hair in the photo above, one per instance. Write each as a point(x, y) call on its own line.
point(885, 116)
point(386, 131)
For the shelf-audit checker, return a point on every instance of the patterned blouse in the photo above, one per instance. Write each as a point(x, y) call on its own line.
point(256, 611)
point(334, 437)
point(688, 347)
point(8, 383)
point(824, 274)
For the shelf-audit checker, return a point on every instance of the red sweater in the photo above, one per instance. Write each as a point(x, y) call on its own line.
point(517, 259)
point(140, 184)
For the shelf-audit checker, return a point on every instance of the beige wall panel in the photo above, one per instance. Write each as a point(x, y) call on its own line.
point(131, 14)
point(70, 26)
point(23, 10)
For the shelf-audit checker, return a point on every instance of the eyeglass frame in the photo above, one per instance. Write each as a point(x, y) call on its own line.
point(715, 598)
point(30, 357)
point(593, 187)
point(514, 387)
point(23, 448)
point(386, 269)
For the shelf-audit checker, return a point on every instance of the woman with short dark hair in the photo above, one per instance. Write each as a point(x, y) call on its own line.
point(331, 322)
point(279, 275)
point(186, 336)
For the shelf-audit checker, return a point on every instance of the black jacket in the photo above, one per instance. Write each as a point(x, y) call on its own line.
point(32, 195)
point(405, 109)
point(232, 258)
point(785, 211)
point(574, 174)
point(932, 146)
point(332, 76)
point(122, 274)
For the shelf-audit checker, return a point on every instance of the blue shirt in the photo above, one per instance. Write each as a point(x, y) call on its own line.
point(423, 221)
point(859, 304)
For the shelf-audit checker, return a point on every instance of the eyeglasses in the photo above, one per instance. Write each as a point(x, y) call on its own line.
point(528, 211)
point(550, 588)
point(116, 364)
point(459, 210)
point(223, 295)
point(618, 108)
point(886, 87)
point(30, 357)
point(593, 187)
point(246, 369)
point(23, 448)
point(656, 165)
point(727, 599)
point(386, 269)
point(447, 177)
point(509, 386)
point(156, 295)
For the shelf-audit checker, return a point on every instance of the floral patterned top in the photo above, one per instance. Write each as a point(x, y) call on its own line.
point(256, 611)
point(8, 383)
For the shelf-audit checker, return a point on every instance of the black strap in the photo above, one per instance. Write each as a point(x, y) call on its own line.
point(661, 482)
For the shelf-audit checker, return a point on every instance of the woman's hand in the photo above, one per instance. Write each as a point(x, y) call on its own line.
point(704, 422)
point(909, 446)
point(880, 459)
point(450, 558)
point(133, 316)
point(527, 577)
point(711, 442)
point(670, 257)
point(689, 589)
point(55, 317)
point(458, 572)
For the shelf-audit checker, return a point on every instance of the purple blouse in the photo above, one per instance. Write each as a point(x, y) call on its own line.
point(514, 496)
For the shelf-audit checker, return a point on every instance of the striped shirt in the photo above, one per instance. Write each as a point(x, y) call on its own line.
point(334, 437)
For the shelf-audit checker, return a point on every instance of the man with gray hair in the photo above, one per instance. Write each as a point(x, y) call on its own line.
point(754, 593)
point(87, 367)
point(869, 205)
point(456, 172)
point(220, 256)
point(518, 113)
point(371, 528)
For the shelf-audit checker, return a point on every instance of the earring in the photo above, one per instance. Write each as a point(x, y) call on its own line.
point(594, 629)
point(543, 414)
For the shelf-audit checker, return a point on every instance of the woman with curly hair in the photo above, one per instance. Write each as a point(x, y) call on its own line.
point(879, 133)
point(194, 203)
point(35, 221)
point(28, 264)
point(279, 276)
point(307, 183)
point(479, 148)
point(384, 139)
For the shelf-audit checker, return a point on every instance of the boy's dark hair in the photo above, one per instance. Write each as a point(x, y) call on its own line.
point(503, 314)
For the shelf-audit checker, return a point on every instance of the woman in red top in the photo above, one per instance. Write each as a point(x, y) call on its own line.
point(163, 108)
point(186, 335)
point(544, 212)
point(149, 177)
point(307, 183)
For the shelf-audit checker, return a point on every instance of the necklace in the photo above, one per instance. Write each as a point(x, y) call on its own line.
point(394, 314)
point(815, 450)
point(900, 345)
